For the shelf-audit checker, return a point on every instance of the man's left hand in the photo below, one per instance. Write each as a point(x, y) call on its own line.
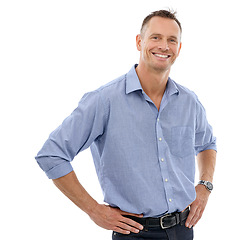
point(198, 206)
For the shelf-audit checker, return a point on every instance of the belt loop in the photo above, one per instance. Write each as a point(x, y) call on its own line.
point(180, 218)
point(146, 225)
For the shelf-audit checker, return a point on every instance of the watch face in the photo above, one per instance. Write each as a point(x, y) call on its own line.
point(210, 186)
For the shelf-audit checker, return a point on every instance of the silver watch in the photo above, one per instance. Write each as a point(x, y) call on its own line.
point(207, 184)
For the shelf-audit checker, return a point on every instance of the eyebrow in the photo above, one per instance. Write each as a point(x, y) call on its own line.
point(158, 34)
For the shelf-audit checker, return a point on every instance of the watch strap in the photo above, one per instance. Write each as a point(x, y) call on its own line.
point(207, 184)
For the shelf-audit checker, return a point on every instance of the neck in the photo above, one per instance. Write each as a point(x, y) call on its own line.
point(153, 82)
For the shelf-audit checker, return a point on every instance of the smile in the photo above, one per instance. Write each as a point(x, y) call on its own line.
point(161, 55)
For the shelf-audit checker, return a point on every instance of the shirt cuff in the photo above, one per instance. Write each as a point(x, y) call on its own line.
point(59, 171)
point(207, 148)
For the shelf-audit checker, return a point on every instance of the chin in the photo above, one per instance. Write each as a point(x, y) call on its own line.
point(160, 69)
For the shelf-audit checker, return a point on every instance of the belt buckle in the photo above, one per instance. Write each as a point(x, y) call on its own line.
point(161, 220)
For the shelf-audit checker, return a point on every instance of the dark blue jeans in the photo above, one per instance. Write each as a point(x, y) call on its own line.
point(179, 232)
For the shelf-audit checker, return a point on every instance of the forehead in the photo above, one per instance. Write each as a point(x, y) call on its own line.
point(163, 26)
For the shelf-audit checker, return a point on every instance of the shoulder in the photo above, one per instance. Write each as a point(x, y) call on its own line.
point(184, 91)
point(189, 96)
point(99, 99)
point(108, 90)
point(114, 85)
point(193, 98)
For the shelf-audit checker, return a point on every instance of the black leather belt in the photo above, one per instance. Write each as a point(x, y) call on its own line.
point(167, 221)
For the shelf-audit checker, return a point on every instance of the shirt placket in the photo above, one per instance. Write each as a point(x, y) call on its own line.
point(163, 155)
point(164, 162)
point(162, 147)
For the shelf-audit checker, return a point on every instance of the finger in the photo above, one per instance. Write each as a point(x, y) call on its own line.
point(127, 227)
point(190, 216)
point(131, 214)
point(132, 223)
point(197, 216)
point(120, 230)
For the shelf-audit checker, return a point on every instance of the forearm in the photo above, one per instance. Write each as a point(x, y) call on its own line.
point(103, 215)
point(71, 187)
point(206, 164)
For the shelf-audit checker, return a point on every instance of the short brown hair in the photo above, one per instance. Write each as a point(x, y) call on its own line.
point(161, 13)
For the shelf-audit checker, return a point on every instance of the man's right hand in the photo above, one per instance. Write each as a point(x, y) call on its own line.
point(112, 219)
point(105, 216)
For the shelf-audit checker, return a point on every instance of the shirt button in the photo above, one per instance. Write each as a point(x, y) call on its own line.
point(162, 159)
point(170, 200)
point(160, 139)
point(158, 119)
point(166, 180)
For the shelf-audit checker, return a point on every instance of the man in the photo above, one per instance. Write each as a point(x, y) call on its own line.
point(144, 131)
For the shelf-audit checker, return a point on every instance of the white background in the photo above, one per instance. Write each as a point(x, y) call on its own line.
point(52, 52)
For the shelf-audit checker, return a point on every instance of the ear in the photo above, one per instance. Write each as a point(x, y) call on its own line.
point(138, 42)
point(179, 48)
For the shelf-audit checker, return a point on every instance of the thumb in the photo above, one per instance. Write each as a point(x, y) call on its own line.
point(130, 214)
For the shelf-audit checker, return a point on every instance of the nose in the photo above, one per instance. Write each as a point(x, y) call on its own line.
point(164, 46)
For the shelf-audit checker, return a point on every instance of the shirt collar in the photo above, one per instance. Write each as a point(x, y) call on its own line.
point(171, 87)
point(133, 83)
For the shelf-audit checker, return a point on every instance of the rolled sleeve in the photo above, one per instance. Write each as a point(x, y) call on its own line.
point(59, 170)
point(75, 134)
point(204, 138)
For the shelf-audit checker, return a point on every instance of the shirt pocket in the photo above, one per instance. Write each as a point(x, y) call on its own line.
point(182, 141)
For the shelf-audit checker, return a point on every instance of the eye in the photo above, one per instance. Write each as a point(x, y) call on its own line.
point(155, 37)
point(173, 40)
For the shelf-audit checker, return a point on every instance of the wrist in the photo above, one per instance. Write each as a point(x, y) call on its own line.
point(91, 208)
point(208, 185)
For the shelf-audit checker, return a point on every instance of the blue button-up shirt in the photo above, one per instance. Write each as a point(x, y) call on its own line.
point(144, 158)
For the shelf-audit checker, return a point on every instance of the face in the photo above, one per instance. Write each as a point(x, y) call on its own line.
point(159, 44)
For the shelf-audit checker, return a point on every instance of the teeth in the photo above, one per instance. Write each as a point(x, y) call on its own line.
point(162, 56)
